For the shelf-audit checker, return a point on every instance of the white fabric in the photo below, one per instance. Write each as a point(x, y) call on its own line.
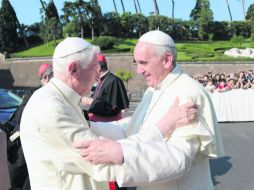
point(157, 37)
point(70, 46)
point(179, 162)
point(51, 121)
point(234, 105)
point(235, 52)
point(4, 172)
point(116, 132)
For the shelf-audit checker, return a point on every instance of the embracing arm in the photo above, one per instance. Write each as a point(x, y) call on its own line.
point(96, 151)
point(153, 161)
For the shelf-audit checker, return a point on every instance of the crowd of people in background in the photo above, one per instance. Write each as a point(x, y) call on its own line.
point(226, 81)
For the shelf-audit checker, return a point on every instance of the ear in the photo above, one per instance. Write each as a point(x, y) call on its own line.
point(168, 60)
point(73, 68)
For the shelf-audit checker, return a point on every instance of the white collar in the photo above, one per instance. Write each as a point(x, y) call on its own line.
point(72, 96)
point(170, 78)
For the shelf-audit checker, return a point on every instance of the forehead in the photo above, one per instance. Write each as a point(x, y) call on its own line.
point(143, 51)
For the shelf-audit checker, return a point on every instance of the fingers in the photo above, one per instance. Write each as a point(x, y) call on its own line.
point(186, 116)
point(190, 105)
point(81, 144)
point(84, 152)
point(176, 102)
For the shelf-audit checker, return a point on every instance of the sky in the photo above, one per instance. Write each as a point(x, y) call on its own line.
point(29, 12)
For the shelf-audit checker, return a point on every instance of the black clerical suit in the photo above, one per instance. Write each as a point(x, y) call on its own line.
point(110, 97)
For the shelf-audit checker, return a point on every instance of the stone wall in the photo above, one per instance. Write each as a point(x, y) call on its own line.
point(20, 73)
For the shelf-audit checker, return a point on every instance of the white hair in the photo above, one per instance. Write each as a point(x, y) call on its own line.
point(163, 50)
point(84, 58)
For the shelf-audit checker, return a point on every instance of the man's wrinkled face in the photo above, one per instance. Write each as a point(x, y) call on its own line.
point(86, 77)
point(149, 64)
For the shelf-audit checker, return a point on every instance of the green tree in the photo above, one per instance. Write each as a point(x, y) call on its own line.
point(140, 24)
point(9, 40)
point(71, 29)
point(76, 11)
point(241, 28)
point(51, 11)
point(83, 13)
point(127, 25)
point(33, 33)
point(202, 16)
point(111, 21)
point(164, 23)
point(250, 17)
point(250, 13)
point(51, 27)
point(95, 17)
point(222, 30)
point(124, 76)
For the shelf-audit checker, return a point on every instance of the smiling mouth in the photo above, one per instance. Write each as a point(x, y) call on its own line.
point(146, 77)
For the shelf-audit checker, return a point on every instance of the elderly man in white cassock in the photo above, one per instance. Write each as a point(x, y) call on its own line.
point(53, 119)
point(178, 161)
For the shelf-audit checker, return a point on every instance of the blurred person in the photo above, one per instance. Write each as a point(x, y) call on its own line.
point(179, 161)
point(45, 73)
point(223, 76)
point(4, 173)
point(110, 96)
point(209, 86)
point(16, 162)
point(252, 84)
point(250, 75)
point(210, 74)
point(222, 87)
point(53, 119)
point(230, 84)
point(241, 80)
point(108, 100)
point(205, 79)
point(216, 79)
point(227, 77)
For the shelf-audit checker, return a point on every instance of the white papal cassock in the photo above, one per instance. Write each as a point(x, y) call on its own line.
point(179, 162)
point(52, 120)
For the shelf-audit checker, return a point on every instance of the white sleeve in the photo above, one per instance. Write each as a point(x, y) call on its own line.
point(155, 160)
point(109, 130)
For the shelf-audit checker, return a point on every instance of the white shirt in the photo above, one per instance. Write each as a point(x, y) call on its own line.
point(51, 121)
point(179, 162)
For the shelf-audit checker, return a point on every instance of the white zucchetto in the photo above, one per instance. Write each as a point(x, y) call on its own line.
point(70, 46)
point(157, 37)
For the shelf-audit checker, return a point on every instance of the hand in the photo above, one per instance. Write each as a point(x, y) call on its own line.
point(86, 101)
point(177, 116)
point(100, 151)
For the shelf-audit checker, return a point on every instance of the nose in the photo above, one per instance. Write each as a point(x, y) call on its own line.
point(140, 69)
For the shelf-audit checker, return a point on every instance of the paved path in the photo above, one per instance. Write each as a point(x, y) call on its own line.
point(234, 171)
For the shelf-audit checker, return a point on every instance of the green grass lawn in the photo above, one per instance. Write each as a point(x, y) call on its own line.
point(186, 51)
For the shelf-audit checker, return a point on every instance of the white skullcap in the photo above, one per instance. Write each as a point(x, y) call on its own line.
point(158, 38)
point(70, 46)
